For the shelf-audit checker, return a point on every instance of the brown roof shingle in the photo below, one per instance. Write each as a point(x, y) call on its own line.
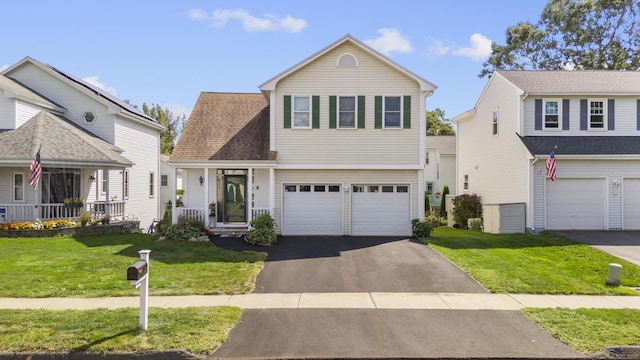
point(226, 126)
point(579, 81)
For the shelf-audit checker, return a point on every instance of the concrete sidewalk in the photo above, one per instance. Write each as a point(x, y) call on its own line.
point(363, 300)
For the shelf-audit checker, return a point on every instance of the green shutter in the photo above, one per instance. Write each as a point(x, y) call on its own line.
point(378, 112)
point(360, 112)
point(287, 111)
point(315, 112)
point(407, 112)
point(332, 112)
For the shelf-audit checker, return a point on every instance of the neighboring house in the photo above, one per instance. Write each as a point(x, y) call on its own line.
point(166, 178)
point(92, 146)
point(331, 146)
point(440, 167)
point(590, 119)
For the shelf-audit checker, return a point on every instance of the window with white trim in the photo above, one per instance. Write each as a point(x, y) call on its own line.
point(18, 187)
point(552, 111)
point(164, 180)
point(125, 184)
point(347, 112)
point(597, 114)
point(427, 158)
point(104, 179)
point(152, 179)
point(494, 121)
point(429, 188)
point(302, 112)
point(465, 185)
point(392, 112)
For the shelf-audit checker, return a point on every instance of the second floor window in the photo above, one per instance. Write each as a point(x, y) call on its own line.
point(429, 188)
point(301, 112)
point(152, 178)
point(596, 114)
point(495, 122)
point(392, 112)
point(347, 112)
point(551, 114)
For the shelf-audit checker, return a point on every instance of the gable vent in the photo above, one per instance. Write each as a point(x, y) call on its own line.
point(347, 60)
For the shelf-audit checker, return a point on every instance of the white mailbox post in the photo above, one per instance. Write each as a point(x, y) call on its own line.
point(138, 275)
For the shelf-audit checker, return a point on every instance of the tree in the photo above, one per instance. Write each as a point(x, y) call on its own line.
point(573, 34)
point(443, 202)
point(437, 124)
point(172, 125)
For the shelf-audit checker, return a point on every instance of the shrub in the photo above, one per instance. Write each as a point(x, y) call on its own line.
point(421, 229)
point(183, 231)
point(435, 221)
point(165, 223)
point(466, 206)
point(475, 225)
point(427, 203)
point(84, 218)
point(443, 202)
point(263, 230)
point(105, 219)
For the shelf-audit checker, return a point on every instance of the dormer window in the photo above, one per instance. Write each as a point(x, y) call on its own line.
point(89, 117)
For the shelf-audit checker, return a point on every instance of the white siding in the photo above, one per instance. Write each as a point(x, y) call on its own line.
point(447, 173)
point(615, 202)
point(631, 188)
point(497, 165)
point(7, 112)
point(76, 102)
point(261, 188)
point(142, 146)
point(346, 178)
point(24, 112)
point(367, 146)
point(625, 118)
point(6, 186)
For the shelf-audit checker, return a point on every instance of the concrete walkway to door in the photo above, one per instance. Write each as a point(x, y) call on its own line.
point(622, 244)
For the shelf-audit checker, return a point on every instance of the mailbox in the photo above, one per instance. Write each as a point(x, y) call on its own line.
point(137, 271)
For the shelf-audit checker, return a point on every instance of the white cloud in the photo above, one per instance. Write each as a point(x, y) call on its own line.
point(93, 80)
point(269, 22)
point(178, 110)
point(480, 48)
point(390, 40)
point(438, 48)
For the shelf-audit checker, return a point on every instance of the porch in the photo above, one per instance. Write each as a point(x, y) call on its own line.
point(30, 212)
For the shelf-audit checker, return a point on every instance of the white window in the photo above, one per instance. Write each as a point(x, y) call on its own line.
point(552, 110)
point(597, 114)
point(347, 112)
point(89, 117)
point(152, 178)
point(429, 188)
point(18, 186)
point(125, 184)
point(427, 159)
point(465, 185)
point(105, 181)
point(495, 122)
point(392, 112)
point(164, 180)
point(301, 112)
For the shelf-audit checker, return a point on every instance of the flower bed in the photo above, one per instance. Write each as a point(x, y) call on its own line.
point(61, 227)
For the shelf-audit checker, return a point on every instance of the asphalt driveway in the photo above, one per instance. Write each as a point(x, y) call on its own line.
point(622, 244)
point(303, 264)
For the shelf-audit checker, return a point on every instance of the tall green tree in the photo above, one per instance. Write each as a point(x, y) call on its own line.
point(573, 34)
point(172, 125)
point(437, 124)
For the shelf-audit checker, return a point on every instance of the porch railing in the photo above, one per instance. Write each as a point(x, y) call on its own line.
point(259, 211)
point(200, 213)
point(24, 212)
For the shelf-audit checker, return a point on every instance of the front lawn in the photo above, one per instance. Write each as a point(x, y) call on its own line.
point(199, 330)
point(95, 266)
point(532, 264)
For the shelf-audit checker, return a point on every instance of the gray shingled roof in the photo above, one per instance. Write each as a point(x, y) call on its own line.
point(226, 126)
point(62, 143)
point(23, 92)
point(579, 81)
point(582, 145)
point(445, 145)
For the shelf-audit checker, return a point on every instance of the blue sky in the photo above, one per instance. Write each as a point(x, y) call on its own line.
point(167, 52)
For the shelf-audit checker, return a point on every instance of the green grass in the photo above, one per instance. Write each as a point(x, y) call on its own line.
point(95, 266)
point(199, 330)
point(590, 330)
point(532, 264)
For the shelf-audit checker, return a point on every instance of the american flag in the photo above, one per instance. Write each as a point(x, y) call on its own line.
point(551, 166)
point(36, 169)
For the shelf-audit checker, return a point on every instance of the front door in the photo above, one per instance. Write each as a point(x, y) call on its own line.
point(235, 209)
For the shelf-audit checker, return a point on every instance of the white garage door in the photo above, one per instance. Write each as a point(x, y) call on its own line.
point(631, 199)
point(380, 210)
point(575, 204)
point(312, 209)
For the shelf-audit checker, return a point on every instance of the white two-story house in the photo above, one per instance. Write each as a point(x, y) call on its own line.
point(333, 145)
point(589, 119)
point(97, 153)
point(440, 167)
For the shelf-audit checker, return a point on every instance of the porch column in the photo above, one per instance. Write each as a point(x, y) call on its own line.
point(174, 196)
point(107, 207)
point(206, 197)
point(249, 195)
point(272, 192)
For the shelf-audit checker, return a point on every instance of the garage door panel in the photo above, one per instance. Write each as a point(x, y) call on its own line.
point(381, 213)
point(312, 212)
point(575, 204)
point(631, 204)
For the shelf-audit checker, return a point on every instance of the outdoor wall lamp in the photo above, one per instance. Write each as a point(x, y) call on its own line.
point(91, 177)
point(201, 180)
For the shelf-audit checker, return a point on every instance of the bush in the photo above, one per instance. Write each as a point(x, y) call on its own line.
point(84, 218)
point(421, 229)
point(435, 221)
point(165, 223)
point(466, 207)
point(443, 202)
point(183, 231)
point(427, 203)
point(475, 225)
point(263, 230)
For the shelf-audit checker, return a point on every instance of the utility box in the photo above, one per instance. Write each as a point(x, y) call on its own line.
point(504, 218)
